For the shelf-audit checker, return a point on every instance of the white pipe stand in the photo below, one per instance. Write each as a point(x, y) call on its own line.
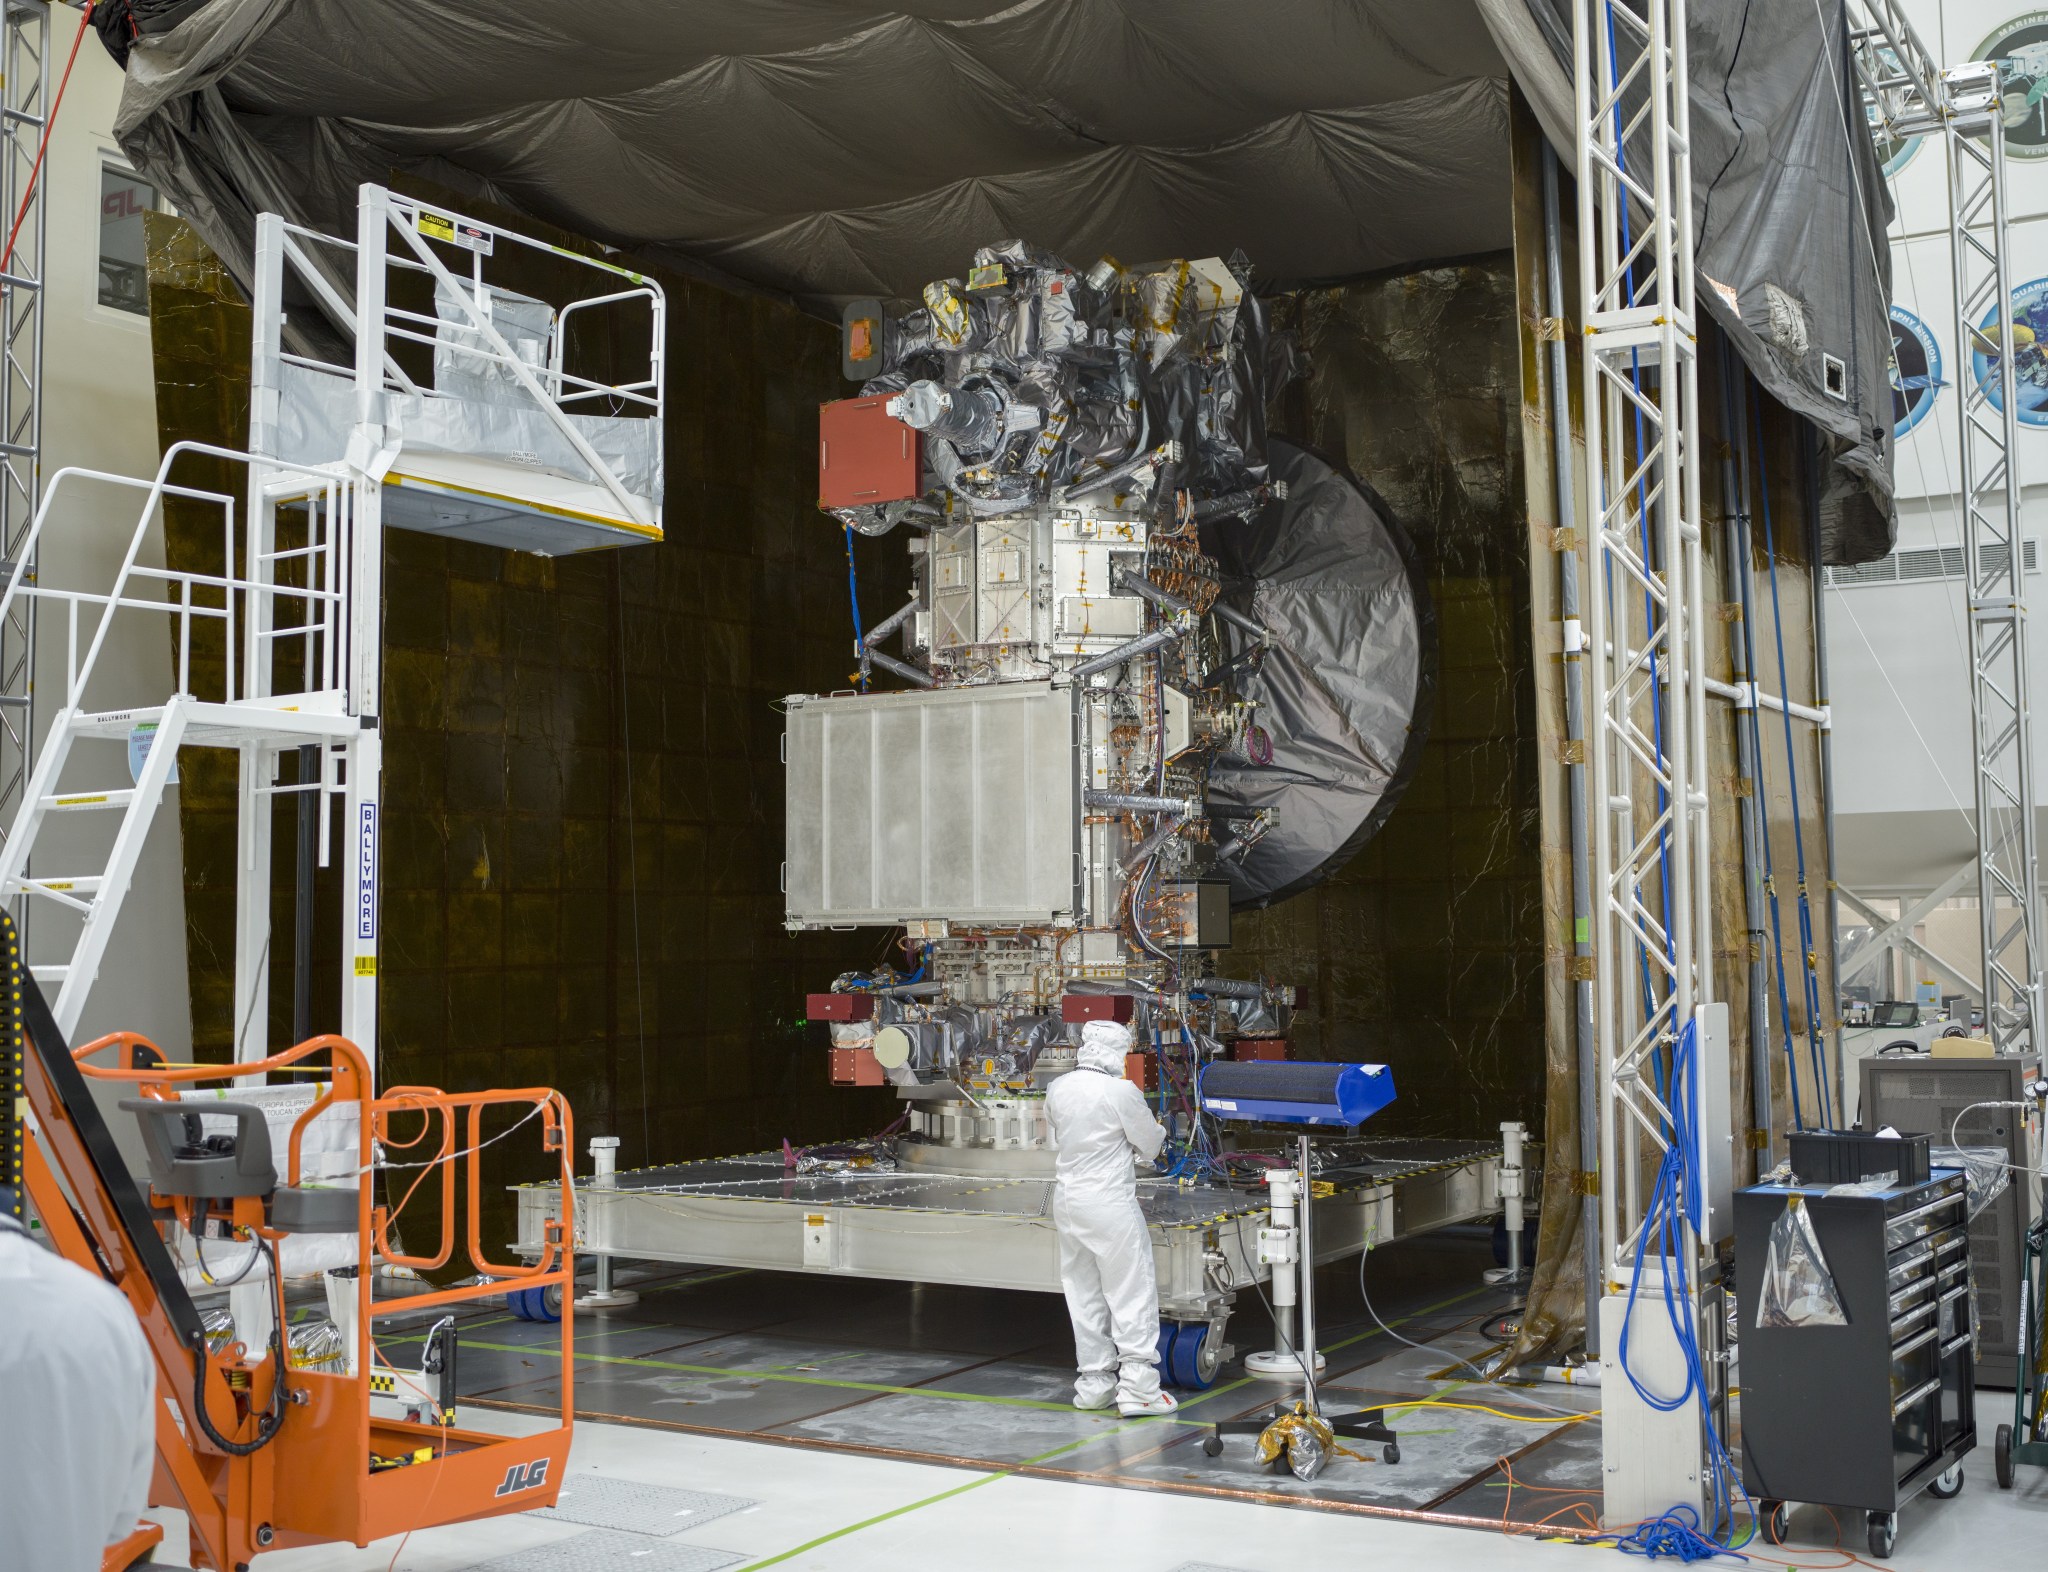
point(604, 1162)
point(1283, 1246)
point(1512, 1136)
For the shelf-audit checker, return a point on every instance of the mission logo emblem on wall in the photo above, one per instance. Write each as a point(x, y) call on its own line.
point(2021, 49)
point(2029, 363)
point(1916, 370)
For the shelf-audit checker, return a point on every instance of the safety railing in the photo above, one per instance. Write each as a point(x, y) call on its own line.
point(190, 598)
point(143, 1065)
point(398, 235)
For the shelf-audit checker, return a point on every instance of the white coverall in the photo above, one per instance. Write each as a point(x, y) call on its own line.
point(78, 1439)
point(1099, 1124)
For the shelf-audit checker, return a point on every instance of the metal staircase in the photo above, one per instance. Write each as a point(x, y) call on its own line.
point(296, 598)
point(498, 446)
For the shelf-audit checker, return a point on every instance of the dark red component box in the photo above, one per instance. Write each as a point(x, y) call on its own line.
point(839, 1006)
point(1075, 1007)
point(1258, 1048)
point(865, 454)
point(856, 1067)
point(1142, 1071)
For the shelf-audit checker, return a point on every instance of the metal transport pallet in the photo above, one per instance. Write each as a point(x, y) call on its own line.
point(997, 1232)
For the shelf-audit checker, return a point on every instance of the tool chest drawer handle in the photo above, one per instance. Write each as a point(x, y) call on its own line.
point(1917, 1313)
point(1900, 1350)
point(1960, 1342)
point(1925, 1389)
point(1924, 1209)
point(1912, 1263)
point(1956, 1292)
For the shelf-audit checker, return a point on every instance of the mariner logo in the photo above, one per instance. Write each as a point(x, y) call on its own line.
point(524, 1476)
point(2020, 48)
point(1916, 370)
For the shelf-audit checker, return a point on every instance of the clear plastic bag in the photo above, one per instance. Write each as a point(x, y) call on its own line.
point(1798, 1289)
point(1985, 1169)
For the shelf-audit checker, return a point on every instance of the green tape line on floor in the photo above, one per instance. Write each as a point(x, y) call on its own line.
point(1059, 1451)
point(880, 1388)
point(957, 1490)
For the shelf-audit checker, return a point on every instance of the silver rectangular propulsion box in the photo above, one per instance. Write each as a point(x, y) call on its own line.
point(958, 804)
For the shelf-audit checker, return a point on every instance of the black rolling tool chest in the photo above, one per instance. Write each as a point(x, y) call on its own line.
point(1867, 1414)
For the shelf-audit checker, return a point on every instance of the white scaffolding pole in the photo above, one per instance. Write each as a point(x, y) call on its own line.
point(2008, 886)
point(1647, 698)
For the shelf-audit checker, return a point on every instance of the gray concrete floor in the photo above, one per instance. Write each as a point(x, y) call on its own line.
point(876, 1423)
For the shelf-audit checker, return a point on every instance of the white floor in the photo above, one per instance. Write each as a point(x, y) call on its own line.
point(856, 1514)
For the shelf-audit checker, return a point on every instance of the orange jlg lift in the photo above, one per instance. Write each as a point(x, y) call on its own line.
point(258, 1454)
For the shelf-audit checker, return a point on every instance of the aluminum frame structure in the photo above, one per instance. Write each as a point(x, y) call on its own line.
point(1646, 665)
point(24, 121)
point(1647, 698)
point(2008, 879)
point(1907, 94)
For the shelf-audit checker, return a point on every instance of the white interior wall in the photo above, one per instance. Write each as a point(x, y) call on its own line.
point(1898, 670)
point(99, 412)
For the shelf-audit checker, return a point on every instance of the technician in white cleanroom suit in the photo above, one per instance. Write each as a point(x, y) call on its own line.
point(77, 1411)
point(1100, 1124)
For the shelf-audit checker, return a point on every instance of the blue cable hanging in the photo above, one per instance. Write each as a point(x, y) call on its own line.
point(1815, 1052)
point(860, 641)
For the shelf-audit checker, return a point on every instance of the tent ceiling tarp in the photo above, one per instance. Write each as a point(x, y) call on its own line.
point(822, 150)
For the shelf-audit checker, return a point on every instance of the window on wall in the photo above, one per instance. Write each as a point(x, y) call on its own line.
point(124, 276)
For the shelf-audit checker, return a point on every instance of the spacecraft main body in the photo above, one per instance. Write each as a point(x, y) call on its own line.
point(1101, 739)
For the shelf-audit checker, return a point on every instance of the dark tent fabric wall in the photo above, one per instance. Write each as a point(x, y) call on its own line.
point(820, 150)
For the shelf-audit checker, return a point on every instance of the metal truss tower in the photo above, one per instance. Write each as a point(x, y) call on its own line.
point(1648, 699)
point(25, 86)
point(1907, 94)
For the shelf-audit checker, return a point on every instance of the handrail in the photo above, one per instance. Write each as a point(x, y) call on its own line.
point(351, 1077)
point(395, 209)
point(327, 495)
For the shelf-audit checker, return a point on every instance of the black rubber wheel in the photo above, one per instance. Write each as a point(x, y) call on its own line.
point(1393, 1452)
point(1949, 1485)
point(1776, 1521)
point(1884, 1534)
point(2001, 1456)
point(1212, 1446)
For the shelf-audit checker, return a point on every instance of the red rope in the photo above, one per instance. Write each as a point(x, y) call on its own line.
point(36, 169)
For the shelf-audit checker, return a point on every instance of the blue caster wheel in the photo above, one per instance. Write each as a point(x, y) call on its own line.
point(1169, 1332)
point(535, 1304)
point(1197, 1357)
